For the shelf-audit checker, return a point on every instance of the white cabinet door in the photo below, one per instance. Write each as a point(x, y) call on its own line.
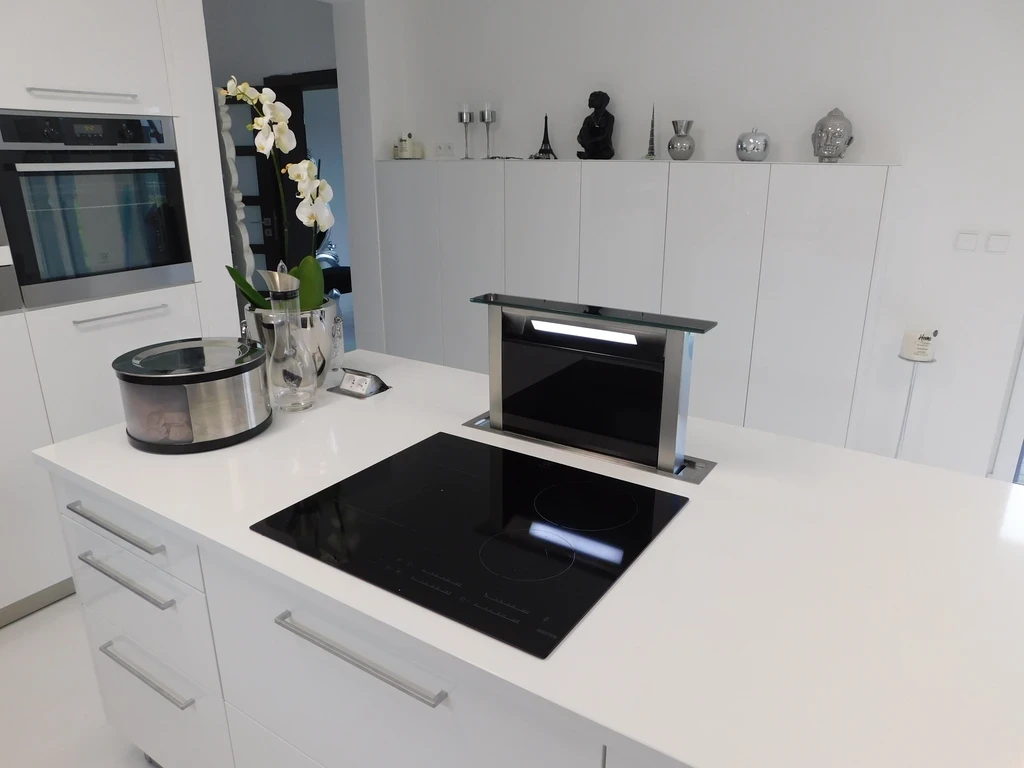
point(819, 251)
point(31, 554)
point(165, 714)
point(164, 614)
point(76, 343)
point(410, 262)
point(712, 265)
point(622, 234)
point(471, 213)
point(283, 662)
point(104, 56)
point(633, 755)
point(256, 747)
point(542, 229)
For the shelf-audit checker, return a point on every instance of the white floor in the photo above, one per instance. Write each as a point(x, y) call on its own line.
point(50, 710)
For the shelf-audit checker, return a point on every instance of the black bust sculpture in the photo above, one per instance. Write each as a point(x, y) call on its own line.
point(596, 134)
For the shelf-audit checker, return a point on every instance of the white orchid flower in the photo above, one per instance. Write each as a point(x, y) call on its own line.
point(305, 213)
point(265, 140)
point(284, 138)
point(325, 192)
point(305, 169)
point(251, 94)
point(267, 96)
point(306, 187)
point(323, 215)
point(231, 89)
point(277, 111)
point(258, 123)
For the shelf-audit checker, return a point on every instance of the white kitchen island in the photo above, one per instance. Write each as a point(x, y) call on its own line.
point(811, 606)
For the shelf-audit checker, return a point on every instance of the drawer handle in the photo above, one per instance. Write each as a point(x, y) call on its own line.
point(431, 700)
point(109, 527)
point(119, 314)
point(74, 92)
point(172, 697)
point(124, 581)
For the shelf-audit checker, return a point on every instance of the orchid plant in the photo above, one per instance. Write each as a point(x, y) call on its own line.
point(273, 140)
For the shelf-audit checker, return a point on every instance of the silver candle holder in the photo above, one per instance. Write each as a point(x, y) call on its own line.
point(466, 117)
point(488, 116)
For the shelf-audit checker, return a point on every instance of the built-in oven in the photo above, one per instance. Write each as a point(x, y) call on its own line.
point(91, 206)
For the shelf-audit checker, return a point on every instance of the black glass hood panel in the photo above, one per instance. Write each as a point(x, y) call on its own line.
point(510, 545)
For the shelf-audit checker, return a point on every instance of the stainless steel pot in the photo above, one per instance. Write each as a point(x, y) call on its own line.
point(318, 329)
point(194, 395)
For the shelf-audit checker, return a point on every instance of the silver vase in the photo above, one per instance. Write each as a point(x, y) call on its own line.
point(317, 329)
point(682, 145)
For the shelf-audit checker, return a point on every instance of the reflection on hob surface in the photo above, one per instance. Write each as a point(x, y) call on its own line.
point(513, 546)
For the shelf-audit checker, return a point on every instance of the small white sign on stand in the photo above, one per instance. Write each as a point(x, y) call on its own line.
point(918, 348)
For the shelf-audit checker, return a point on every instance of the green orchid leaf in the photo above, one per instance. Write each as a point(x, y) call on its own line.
point(246, 289)
point(311, 284)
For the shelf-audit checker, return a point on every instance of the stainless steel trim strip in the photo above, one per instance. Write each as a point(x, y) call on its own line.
point(44, 597)
point(675, 395)
point(35, 90)
point(10, 294)
point(494, 364)
point(87, 558)
point(431, 700)
point(104, 286)
point(88, 320)
point(172, 697)
point(109, 527)
point(141, 165)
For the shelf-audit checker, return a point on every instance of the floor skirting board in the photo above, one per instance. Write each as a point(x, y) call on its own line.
point(39, 600)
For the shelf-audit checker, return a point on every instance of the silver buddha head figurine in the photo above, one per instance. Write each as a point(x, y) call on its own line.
point(832, 137)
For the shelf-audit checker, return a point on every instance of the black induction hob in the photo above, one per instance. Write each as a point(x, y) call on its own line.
point(508, 544)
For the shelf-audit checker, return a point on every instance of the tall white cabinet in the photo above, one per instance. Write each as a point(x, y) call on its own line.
point(712, 267)
point(31, 556)
point(471, 223)
point(542, 229)
point(410, 259)
point(819, 249)
point(622, 234)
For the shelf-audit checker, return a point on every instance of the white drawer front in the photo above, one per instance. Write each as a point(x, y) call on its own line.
point(167, 551)
point(76, 343)
point(288, 677)
point(163, 613)
point(256, 747)
point(174, 720)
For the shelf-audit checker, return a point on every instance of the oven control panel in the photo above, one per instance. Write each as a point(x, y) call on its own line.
point(80, 130)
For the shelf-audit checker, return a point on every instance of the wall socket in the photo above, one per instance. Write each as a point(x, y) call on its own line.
point(444, 150)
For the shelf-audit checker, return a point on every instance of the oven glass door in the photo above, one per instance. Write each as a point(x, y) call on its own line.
point(78, 220)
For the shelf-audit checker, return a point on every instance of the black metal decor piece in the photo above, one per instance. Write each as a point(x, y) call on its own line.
point(545, 152)
point(596, 134)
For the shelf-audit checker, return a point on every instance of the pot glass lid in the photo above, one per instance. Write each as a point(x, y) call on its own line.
point(189, 356)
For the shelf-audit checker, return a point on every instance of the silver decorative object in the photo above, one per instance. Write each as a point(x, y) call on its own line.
point(318, 328)
point(832, 136)
point(752, 146)
point(488, 116)
point(466, 116)
point(651, 154)
point(682, 145)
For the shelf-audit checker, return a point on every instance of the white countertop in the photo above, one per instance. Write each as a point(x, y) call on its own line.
point(809, 607)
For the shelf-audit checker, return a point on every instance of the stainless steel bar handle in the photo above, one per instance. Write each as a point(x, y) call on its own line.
point(140, 165)
point(109, 527)
point(124, 581)
point(75, 92)
point(171, 696)
point(88, 320)
point(430, 699)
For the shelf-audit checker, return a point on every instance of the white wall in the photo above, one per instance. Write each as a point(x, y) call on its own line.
point(254, 39)
point(933, 86)
point(323, 137)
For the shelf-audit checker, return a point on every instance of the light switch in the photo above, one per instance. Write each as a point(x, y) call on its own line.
point(998, 244)
point(966, 241)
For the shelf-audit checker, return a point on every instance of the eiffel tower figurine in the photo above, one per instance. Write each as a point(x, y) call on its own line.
point(650, 146)
point(545, 152)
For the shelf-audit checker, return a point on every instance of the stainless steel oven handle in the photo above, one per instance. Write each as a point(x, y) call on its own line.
point(109, 527)
point(154, 308)
point(34, 90)
point(172, 697)
point(124, 581)
point(430, 699)
point(142, 165)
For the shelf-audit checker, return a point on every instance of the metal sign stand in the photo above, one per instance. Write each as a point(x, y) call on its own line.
point(910, 397)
